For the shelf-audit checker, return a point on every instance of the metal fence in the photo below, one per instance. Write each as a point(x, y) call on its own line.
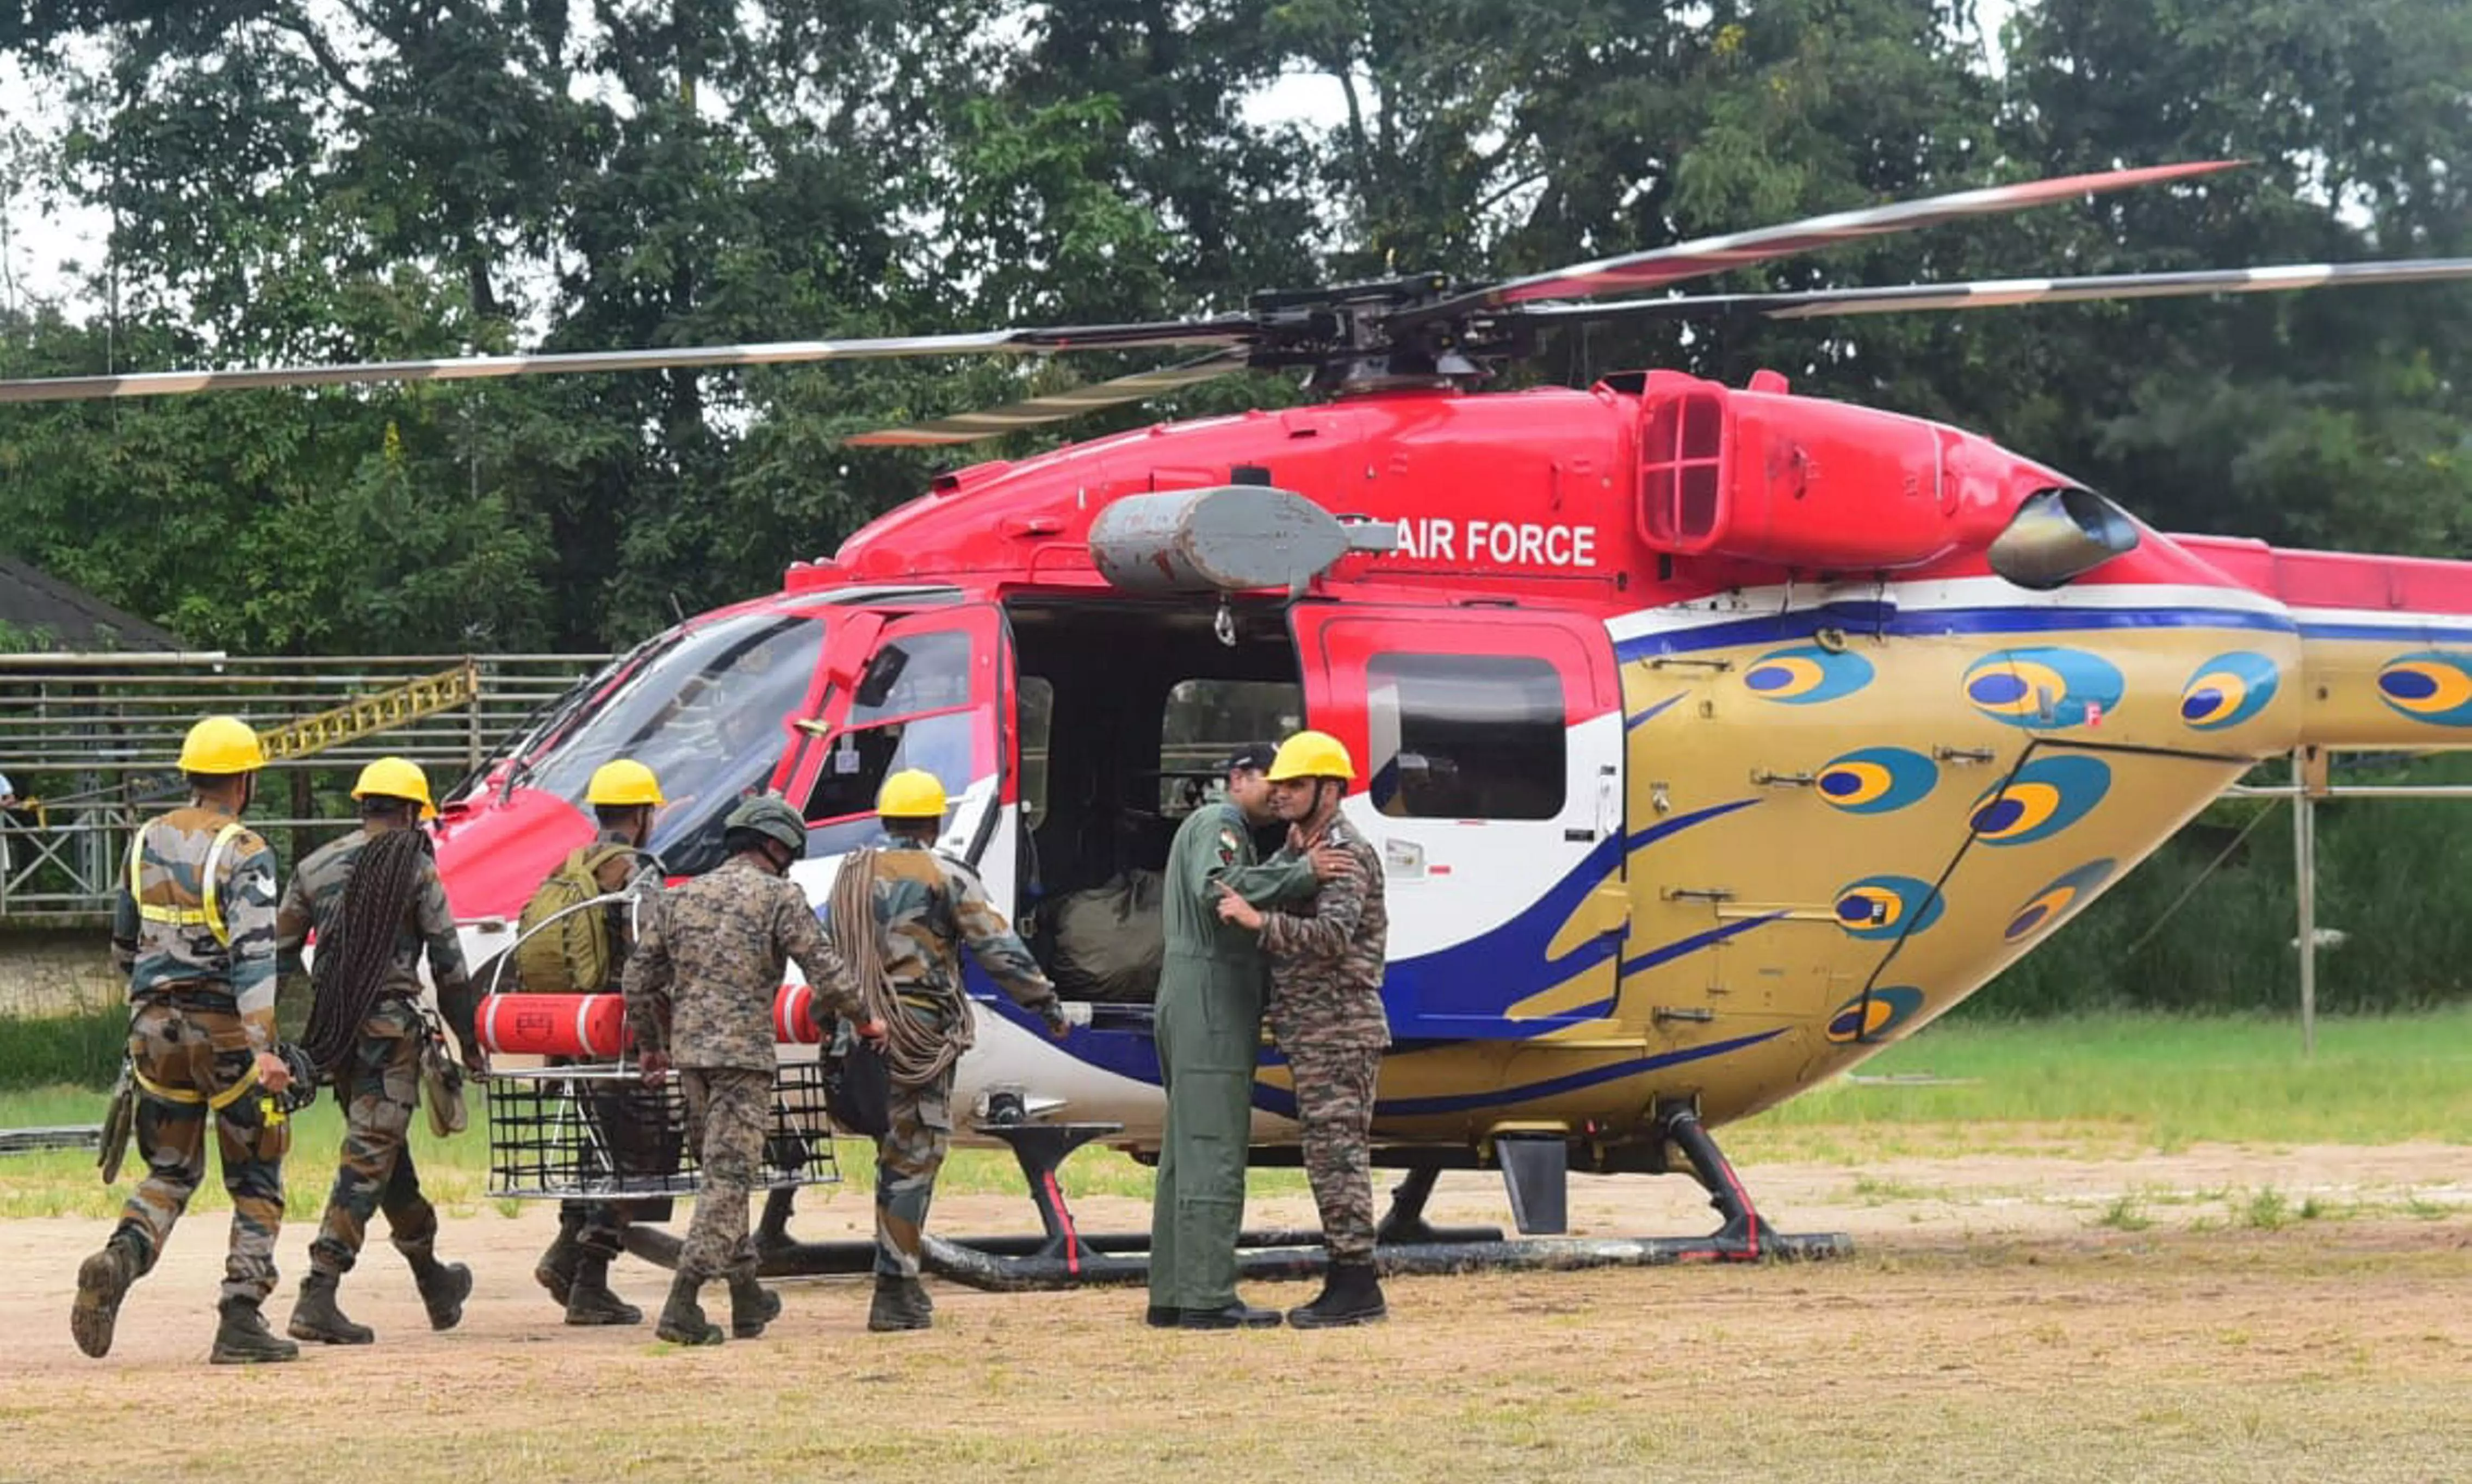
point(89, 740)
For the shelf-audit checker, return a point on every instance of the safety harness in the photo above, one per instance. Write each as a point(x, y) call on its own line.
point(210, 914)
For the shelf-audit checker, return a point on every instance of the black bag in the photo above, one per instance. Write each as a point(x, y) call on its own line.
point(858, 1086)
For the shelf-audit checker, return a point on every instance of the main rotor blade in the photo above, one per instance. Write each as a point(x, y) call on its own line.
point(1054, 406)
point(1227, 331)
point(1708, 255)
point(1999, 292)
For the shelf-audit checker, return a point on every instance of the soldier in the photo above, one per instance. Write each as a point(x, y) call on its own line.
point(925, 907)
point(193, 926)
point(1209, 1034)
point(376, 902)
point(623, 794)
point(700, 992)
point(1326, 1012)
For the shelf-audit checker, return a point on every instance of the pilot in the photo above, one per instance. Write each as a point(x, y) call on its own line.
point(904, 913)
point(1209, 1034)
point(1326, 1011)
point(699, 991)
point(376, 902)
point(193, 926)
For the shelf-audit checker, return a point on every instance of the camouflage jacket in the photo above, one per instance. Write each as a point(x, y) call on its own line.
point(163, 916)
point(929, 907)
point(1326, 954)
point(314, 899)
point(703, 976)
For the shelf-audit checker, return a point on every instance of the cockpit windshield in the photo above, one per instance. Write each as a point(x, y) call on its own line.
point(706, 715)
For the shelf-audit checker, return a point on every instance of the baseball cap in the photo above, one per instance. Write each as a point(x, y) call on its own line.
point(1257, 756)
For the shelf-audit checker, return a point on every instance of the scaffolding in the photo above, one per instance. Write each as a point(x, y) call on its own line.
point(88, 741)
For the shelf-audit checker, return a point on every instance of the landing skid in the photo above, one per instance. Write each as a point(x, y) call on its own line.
point(1063, 1256)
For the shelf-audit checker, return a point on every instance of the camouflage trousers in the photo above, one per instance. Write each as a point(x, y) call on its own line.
point(727, 1111)
point(191, 1055)
point(1334, 1114)
point(379, 1088)
point(907, 1159)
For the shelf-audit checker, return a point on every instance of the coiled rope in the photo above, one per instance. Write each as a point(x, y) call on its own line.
point(356, 951)
point(916, 1053)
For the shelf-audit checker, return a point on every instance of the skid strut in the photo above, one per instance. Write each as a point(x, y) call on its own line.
point(1062, 1256)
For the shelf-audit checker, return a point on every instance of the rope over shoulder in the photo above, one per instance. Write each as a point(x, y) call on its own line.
point(354, 965)
point(915, 1054)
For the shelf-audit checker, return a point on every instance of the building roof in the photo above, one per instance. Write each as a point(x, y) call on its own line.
point(34, 601)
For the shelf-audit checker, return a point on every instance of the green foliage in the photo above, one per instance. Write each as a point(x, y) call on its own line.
point(414, 179)
point(78, 1050)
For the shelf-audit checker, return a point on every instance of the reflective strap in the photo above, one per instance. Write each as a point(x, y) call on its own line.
point(189, 1095)
point(208, 917)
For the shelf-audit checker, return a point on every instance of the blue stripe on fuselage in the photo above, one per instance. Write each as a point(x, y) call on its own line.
point(1869, 619)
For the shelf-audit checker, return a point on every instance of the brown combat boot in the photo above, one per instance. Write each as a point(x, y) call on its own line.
point(103, 1281)
point(244, 1339)
point(443, 1288)
point(316, 1318)
point(683, 1321)
point(557, 1268)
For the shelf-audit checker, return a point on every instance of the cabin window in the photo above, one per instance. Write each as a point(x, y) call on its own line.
point(1204, 720)
point(1035, 701)
point(1465, 736)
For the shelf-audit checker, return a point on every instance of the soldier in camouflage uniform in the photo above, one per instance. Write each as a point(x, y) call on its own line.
point(192, 926)
point(699, 991)
point(928, 908)
point(623, 794)
point(1326, 1012)
point(378, 1081)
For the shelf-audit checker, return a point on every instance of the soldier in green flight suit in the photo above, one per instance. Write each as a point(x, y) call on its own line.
point(1209, 1031)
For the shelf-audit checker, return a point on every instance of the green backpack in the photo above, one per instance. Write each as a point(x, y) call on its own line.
point(572, 955)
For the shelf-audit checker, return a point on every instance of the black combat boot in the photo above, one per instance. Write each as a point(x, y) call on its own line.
point(103, 1281)
point(244, 1339)
point(900, 1303)
point(589, 1301)
point(557, 1268)
point(752, 1305)
point(443, 1289)
point(1350, 1294)
point(683, 1321)
point(317, 1319)
point(1161, 1316)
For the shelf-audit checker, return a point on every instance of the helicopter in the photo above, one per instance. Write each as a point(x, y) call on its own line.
point(1713, 737)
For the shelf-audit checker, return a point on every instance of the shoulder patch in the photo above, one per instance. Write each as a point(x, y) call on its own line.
point(1231, 845)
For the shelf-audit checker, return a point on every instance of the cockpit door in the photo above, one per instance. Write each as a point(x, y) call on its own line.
point(930, 689)
point(1488, 744)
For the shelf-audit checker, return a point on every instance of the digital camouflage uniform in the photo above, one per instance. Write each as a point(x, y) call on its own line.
point(1209, 1034)
point(1326, 1012)
point(202, 1008)
point(928, 907)
point(701, 986)
point(380, 1086)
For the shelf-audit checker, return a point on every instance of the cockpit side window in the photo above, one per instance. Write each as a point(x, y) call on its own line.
point(910, 708)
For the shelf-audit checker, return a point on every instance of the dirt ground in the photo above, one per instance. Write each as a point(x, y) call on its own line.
point(2214, 1314)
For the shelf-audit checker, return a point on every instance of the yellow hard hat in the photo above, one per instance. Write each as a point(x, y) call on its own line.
point(222, 744)
point(1310, 755)
point(623, 780)
point(912, 794)
point(396, 778)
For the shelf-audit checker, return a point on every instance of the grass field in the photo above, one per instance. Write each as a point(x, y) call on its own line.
point(2095, 1088)
point(2041, 1290)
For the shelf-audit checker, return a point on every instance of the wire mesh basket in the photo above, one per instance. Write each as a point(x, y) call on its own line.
point(597, 1131)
